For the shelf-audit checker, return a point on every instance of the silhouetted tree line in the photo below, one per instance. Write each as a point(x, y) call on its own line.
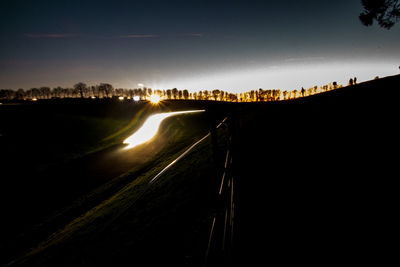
point(105, 90)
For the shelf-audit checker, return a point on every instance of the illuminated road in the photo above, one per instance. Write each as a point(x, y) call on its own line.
point(156, 177)
point(150, 128)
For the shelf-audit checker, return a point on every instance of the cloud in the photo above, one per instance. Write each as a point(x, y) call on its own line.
point(151, 35)
point(124, 36)
point(193, 35)
point(49, 35)
point(140, 36)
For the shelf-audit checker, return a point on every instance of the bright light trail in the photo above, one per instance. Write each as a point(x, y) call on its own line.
point(150, 128)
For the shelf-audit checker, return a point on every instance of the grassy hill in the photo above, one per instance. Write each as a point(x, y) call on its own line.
point(314, 185)
point(317, 177)
point(76, 144)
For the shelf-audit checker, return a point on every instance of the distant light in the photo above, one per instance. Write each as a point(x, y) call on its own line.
point(93, 97)
point(155, 99)
point(136, 98)
point(34, 99)
point(121, 98)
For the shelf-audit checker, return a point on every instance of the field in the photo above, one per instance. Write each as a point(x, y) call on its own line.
point(312, 180)
point(40, 200)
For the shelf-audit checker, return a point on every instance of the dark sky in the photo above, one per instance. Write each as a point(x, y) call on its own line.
point(194, 44)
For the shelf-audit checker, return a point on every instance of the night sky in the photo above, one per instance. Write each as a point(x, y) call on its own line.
point(192, 44)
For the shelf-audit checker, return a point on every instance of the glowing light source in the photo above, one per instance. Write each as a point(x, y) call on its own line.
point(136, 98)
point(150, 128)
point(121, 98)
point(34, 99)
point(155, 99)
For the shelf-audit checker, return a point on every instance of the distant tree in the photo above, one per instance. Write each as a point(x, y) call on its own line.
point(169, 94)
point(180, 94)
point(81, 88)
point(107, 89)
point(206, 95)
point(57, 92)
point(285, 94)
point(294, 92)
point(215, 94)
point(7, 94)
point(259, 94)
point(232, 97)
point(174, 93)
point(96, 91)
point(385, 12)
point(45, 92)
point(3, 94)
point(120, 92)
point(35, 93)
point(276, 94)
point(268, 95)
point(185, 94)
point(20, 94)
point(101, 90)
point(351, 81)
point(251, 95)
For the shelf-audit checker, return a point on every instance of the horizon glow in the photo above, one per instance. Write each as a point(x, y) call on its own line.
point(286, 77)
point(289, 75)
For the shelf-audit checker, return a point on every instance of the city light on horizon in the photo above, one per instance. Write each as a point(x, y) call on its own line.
point(287, 78)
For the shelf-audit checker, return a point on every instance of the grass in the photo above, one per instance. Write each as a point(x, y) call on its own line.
point(308, 169)
point(32, 215)
point(183, 191)
point(176, 134)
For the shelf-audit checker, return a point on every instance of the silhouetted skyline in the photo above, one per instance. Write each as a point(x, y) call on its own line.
point(229, 45)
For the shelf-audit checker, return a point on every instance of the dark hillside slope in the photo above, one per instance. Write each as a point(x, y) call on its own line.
point(316, 176)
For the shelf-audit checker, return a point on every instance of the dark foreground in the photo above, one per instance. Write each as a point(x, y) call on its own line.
point(316, 179)
point(313, 184)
